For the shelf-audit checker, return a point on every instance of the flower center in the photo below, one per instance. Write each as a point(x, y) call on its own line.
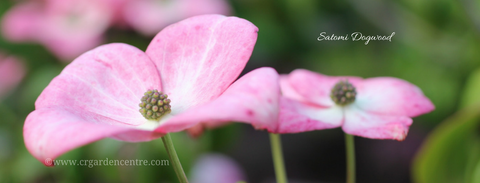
point(343, 93)
point(154, 105)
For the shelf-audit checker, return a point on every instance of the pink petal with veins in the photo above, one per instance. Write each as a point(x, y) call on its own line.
point(392, 96)
point(94, 97)
point(251, 99)
point(287, 89)
point(50, 132)
point(109, 80)
point(198, 58)
point(296, 117)
point(361, 123)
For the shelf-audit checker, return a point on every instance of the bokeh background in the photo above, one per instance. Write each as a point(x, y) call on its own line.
point(436, 47)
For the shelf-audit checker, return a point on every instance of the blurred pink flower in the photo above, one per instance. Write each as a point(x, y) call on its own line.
point(216, 168)
point(118, 7)
point(69, 28)
point(65, 27)
point(11, 73)
point(150, 16)
point(194, 61)
point(382, 107)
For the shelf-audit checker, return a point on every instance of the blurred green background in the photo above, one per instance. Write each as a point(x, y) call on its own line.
point(436, 47)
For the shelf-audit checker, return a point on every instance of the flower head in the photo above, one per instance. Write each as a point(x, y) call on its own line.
point(379, 108)
point(192, 63)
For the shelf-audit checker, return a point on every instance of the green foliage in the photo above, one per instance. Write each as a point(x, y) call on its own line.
point(451, 153)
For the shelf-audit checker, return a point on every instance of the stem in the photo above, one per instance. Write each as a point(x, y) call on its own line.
point(167, 142)
point(278, 158)
point(350, 148)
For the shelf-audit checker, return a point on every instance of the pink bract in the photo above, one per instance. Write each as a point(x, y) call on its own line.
point(11, 73)
point(194, 61)
point(150, 16)
point(382, 109)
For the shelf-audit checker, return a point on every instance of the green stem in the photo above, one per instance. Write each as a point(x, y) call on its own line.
point(278, 158)
point(167, 142)
point(350, 148)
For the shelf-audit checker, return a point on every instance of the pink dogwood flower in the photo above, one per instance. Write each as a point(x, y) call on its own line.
point(378, 108)
point(67, 28)
point(11, 73)
point(150, 16)
point(194, 62)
